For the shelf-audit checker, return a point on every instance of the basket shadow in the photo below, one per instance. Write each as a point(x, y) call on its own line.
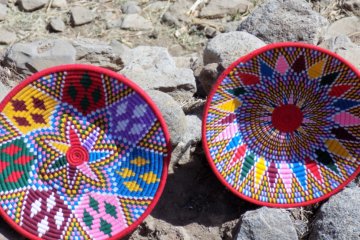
point(193, 194)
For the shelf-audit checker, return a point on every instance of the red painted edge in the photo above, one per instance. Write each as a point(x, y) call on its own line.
point(137, 89)
point(207, 106)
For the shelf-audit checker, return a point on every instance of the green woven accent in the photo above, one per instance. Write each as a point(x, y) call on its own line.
point(111, 210)
point(105, 227)
point(94, 204)
point(88, 219)
point(86, 81)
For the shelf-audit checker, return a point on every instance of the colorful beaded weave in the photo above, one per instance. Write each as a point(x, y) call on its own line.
point(282, 125)
point(83, 155)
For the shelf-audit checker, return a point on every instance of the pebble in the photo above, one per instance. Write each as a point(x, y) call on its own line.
point(57, 25)
point(31, 5)
point(81, 15)
point(135, 22)
point(3, 11)
point(7, 37)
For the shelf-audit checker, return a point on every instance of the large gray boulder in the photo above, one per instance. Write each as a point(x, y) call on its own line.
point(225, 48)
point(154, 68)
point(35, 56)
point(266, 223)
point(338, 218)
point(285, 20)
point(173, 114)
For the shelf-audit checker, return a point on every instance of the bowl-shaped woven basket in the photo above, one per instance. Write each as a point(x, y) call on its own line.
point(83, 154)
point(282, 125)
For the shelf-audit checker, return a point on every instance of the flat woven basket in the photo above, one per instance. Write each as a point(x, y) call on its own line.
point(282, 125)
point(83, 154)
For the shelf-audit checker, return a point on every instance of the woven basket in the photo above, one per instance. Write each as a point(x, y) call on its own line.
point(83, 154)
point(282, 125)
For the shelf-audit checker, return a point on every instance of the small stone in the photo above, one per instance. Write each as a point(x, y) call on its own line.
point(116, 23)
point(193, 133)
point(209, 75)
point(210, 32)
point(81, 16)
point(5, 2)
point(179, 156)
point(225, 48)
point(31, 5)
point(173, 114)
point(352, 6)
point(220, 8)
point(338, 218)
point(135, 22)
point(7, 37)
point(57, 25)
point(130, 8)
point(3, 12)
point(267, 223)
point(35, 56)
point(170, 19)
point(59, 4)
point(280, 21)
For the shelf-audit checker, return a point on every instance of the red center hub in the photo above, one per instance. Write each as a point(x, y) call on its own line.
point(77, 155)
point(287, 118)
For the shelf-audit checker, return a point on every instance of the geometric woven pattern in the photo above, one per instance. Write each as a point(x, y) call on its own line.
point(282, 125)
point(83, 155)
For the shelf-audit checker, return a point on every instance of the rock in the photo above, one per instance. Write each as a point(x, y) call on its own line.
point(101, 54)
point(154, 68)
point(180, 156)
point(338, 218)
point(343, 46)
point(5, 2)
point(4, 90)
point(345, 26)
point(193, 133)
point(179, 10)
point(118, 48)
point(352, 6)
point(31, 5)
point(266, 223)
point(170, 20)
point(225, 48)
point(81, 16)
point(231, 26)
point(209, 75)
point(156, 6)
point(35, 56)
point(135, 22)
point(285, 20)
point(172, 113)
point(3, 12)
point(130, 7)
point(220, 8)
point(59, 4)
point(7, 37)
point(57, 25)
point(210, 32)
point(160, 230)
point(186, 61)
point(116, 23)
